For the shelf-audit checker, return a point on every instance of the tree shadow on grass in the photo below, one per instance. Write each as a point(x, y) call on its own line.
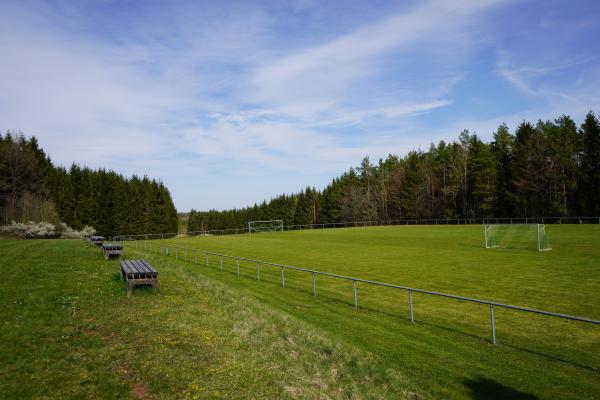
point(486, 389)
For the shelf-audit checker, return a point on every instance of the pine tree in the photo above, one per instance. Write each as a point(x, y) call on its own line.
point(590, 165)
point(502, 149)
point(481, 179)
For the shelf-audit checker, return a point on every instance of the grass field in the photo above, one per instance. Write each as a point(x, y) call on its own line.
point(449, 345)
point(69, 332)
point(211, 334)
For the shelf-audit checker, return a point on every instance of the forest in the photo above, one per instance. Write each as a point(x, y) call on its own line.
point(551, 168)
point(33, 189)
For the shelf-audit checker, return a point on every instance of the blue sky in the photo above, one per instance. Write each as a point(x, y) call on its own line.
point(230, 103)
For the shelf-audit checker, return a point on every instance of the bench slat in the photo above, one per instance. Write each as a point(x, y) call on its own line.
point(131, 269)
point(149, 269)
point(125, 267)
point(138, 269)
point(134, 269)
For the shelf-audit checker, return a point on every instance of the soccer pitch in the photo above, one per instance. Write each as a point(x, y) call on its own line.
point(450, 340)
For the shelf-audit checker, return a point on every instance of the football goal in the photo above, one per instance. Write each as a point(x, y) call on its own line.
point(518, 236)
point(265, 226)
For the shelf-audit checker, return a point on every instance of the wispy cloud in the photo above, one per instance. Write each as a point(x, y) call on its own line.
point(349, 117)
point(526, 75)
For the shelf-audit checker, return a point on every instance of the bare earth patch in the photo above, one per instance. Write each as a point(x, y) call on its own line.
point(140, 390)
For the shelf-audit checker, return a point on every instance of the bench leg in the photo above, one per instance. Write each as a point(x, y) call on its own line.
point(127, 285)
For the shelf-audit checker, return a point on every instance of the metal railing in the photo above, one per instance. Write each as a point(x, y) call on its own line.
point(356, 224)
point(354, 280)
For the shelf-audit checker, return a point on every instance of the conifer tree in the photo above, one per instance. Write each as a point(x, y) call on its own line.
point(590, 165)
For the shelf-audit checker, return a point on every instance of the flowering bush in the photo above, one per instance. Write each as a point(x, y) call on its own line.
point(66, 232)
point(44, 230)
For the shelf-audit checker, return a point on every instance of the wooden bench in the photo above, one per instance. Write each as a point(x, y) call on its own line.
point(112, 249)
point(138, 272)
point(97, 240)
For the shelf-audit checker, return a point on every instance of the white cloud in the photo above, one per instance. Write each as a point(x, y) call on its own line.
point(354, 117)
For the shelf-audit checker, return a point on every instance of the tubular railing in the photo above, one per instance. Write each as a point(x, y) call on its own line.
point(355, 224)
point(354, 280)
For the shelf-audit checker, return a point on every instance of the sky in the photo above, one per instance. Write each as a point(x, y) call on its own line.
point(233, 102)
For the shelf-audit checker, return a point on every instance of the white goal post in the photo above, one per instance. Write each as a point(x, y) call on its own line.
point(265, 226)
point(516, 236)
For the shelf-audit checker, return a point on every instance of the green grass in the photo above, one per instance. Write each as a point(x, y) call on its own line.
point(69, 332)
point(446, 354)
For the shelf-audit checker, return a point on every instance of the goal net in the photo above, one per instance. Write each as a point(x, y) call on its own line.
point(265, 226)
point(517, 236)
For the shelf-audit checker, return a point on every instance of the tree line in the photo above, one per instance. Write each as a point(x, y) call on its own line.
point(551, 168)
point(33, 189)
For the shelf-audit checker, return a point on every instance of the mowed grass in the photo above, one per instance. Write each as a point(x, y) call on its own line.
point(67, 331)
point(447, 353)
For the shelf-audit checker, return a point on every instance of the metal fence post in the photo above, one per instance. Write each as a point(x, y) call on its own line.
point(314, 285)
point(493, 324)
point(195, 257)
point(221, 262)
point(412, 316)
point(237, 263)
point(355, 300)
point(282, 278)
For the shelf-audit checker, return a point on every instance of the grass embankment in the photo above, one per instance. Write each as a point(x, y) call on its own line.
point(68, 331)
point(446, 354)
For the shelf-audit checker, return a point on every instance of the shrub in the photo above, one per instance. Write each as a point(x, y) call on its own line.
point(45, 230)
